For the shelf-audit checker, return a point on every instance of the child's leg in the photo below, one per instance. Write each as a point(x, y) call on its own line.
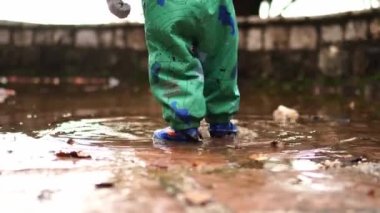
point(176, 76)
point(219, 52)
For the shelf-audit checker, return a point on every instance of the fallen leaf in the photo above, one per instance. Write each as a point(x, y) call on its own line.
point(197, 164)
point(70, 141)
point(72, 154)
point(371, 193)
point(104, 185)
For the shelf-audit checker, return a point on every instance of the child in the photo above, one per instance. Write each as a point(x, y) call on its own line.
point(192, 47)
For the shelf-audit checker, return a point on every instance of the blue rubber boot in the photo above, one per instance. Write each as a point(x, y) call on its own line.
point(169, 134)
point(220, 130)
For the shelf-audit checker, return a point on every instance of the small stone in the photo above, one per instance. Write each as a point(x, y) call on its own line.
point(198, 198)
point(285, 115)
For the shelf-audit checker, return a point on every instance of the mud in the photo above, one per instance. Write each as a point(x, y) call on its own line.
point(72, 151)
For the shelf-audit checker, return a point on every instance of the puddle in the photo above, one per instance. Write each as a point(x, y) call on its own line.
point(328, 155)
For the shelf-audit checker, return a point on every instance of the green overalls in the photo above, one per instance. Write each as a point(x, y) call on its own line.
point(192, 47)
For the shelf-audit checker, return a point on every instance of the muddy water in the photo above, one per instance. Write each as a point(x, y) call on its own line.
point(92, 152)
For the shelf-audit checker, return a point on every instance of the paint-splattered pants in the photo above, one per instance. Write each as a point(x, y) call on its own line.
point(192, 47)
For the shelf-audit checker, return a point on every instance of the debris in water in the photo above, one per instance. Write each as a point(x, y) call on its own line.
point(73, 154)
point(352, 105)
point(198, 164)
point(6, 93)
point(277, 144)
point(371, 193)
point(259, 157)
point(357, 160)
point(104, 185)
point(348, 140)
point(70, 141)
point(160, 164)
point(251, 164)
point(45, 195)
point(302, 179)
point(113, 82)
point(66, 115)
point(198, 198)
point(285, 115)
point(327, 164)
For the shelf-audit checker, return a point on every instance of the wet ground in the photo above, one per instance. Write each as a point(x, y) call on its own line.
point(75, 151)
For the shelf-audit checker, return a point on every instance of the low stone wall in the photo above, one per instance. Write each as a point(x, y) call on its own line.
point(49, 50)
point(344, 46)
point(332, 46)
